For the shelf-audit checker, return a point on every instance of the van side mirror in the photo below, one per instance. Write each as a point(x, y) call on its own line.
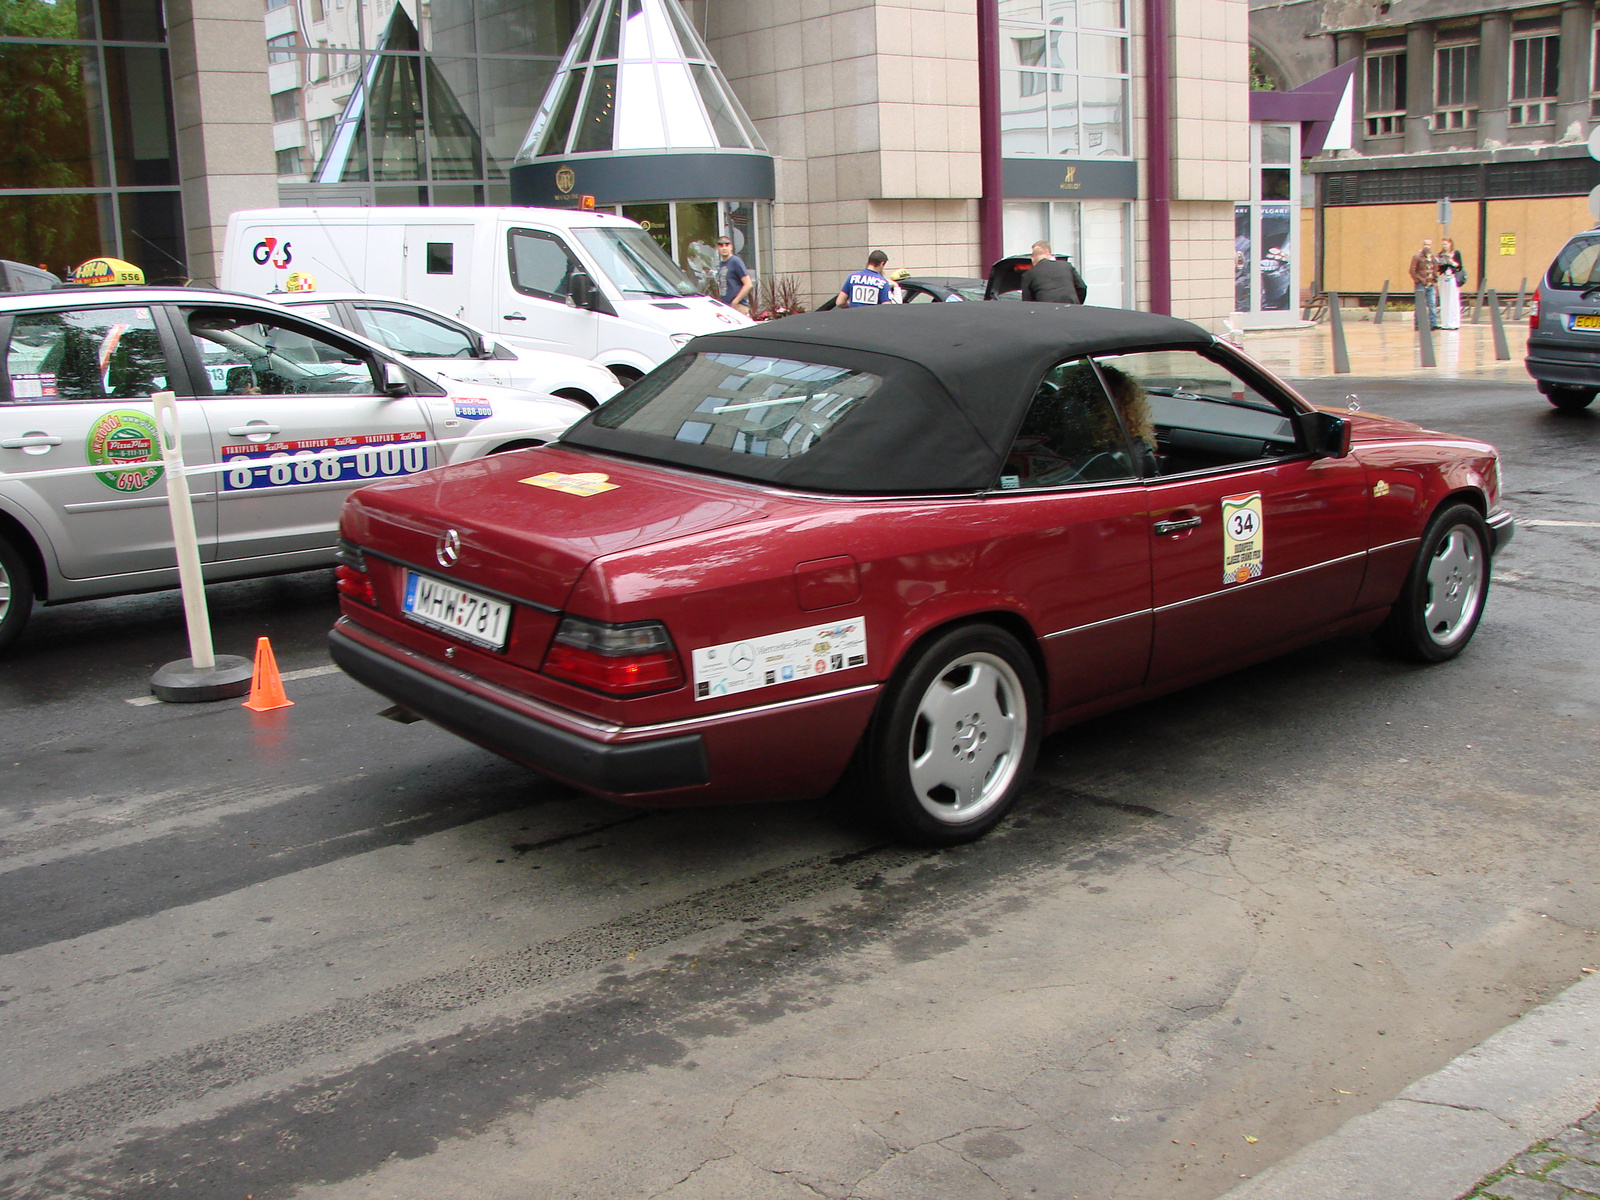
point(1326, 435)
point(581, 288)
point(395, 381)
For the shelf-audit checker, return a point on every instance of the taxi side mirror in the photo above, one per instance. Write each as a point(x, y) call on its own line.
point(1326, 435)
point(395, 381)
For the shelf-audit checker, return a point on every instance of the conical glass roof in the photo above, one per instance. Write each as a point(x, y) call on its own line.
point(637, 78)
point(391, 89)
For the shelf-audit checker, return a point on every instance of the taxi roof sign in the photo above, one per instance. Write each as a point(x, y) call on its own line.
point(99, 272)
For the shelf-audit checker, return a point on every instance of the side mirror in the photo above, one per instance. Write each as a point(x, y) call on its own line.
point(581, 289)
point(1326, 435)
point(395, 382)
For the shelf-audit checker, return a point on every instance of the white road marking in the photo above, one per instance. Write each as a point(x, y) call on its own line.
point(1570, 524)
point(287, 677)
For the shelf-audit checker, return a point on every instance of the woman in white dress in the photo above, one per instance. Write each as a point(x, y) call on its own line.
point(1451, 276)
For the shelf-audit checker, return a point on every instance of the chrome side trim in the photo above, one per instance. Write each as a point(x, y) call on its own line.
point(713, 718)
point(1391, 545)
point(1239, 587)
point(1143, 612)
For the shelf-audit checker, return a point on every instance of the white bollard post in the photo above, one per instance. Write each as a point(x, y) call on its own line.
point(201, 676)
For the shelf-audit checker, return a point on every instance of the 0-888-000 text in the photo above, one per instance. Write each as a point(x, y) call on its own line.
point(324, 460)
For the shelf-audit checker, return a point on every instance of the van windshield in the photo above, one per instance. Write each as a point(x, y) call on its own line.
point(633, 261)
point(1578, 265)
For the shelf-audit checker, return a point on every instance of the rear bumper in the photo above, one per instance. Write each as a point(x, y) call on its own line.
point(781, 751)
point(1571, 366)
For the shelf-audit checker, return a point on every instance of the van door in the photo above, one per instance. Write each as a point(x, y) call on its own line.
point(438, 267)
point(535, 302)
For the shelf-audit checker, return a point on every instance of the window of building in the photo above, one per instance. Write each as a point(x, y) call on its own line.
point(289, 161)
point(1594, 76)
point(1064, 80)
point(285, 105)
point(1385, 96)
point(316, 11)
point(1455, 86)
point(273, 5)
point(1535, 64)
point(279, 48)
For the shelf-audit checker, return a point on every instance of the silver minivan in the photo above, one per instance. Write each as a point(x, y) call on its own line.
point(297, 411)
point(1564, 328)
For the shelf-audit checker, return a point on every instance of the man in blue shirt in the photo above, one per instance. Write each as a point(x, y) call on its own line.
point(868, 285)
point(733, 279)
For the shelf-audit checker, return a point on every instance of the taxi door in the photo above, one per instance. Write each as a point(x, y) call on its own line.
point(79, 382)
point(303, 418)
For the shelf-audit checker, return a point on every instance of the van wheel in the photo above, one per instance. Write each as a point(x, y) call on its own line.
point(1570, 399)
point(16, 593)
point(956, 739)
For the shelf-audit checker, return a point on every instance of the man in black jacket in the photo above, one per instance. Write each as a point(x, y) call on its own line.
point(1051, 278)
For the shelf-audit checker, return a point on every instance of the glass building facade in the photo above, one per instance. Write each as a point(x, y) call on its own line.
point(88, 152)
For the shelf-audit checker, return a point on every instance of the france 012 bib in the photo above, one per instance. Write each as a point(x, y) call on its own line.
point(1243, 529)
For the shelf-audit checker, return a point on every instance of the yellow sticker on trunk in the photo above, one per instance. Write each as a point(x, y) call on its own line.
point(1243, 528)
point(584, 483)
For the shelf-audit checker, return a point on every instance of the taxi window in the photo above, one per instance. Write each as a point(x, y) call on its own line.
point(1070, 434)
point(246, 354)
point(88, 354)
point(417, 336)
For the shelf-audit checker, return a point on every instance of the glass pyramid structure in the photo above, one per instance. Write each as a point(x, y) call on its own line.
point(637, 79)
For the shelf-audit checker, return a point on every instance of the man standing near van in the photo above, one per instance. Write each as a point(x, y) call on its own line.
point(733, 279)
point(867, 286)
point(1051, 278)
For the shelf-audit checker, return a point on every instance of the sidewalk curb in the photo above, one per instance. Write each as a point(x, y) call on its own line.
point(1436, 1139)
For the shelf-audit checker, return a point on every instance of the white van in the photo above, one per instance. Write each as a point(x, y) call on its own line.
point(584, 283)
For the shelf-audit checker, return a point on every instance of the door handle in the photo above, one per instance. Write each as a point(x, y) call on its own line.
point(250, 430)
point(513, 317)
point(31, 439)
point(1178, 526)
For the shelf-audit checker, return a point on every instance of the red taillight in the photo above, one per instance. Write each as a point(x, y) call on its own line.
point(1533, 314)
point(623, 660)
point(355, 584)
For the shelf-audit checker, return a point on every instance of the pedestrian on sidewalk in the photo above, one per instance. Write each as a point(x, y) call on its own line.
point(734, 280)
point(1051, 278)
point(1452, 281)
point(1425, 275)
point(867, 286)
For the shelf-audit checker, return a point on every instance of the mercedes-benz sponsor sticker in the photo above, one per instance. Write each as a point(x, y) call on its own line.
point(779, 658)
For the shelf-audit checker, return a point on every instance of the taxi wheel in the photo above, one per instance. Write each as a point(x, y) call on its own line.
point(1442, 600)
point(957, 737)
point(16, 593)
point(1570, 399)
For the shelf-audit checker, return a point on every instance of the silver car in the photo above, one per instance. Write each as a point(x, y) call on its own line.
point(454, 348)
point(301, 412)
point(1564, 329)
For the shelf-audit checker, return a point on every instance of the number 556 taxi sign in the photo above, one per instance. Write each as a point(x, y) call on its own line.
point(1242, 530)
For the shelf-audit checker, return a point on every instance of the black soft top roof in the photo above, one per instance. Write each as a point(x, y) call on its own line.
point(957, 381)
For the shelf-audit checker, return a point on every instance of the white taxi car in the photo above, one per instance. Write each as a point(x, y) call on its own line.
point(303, 413)
point(454, 348)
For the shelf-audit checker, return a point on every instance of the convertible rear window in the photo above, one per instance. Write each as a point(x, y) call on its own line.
point(1578, 265)
point(746, 404)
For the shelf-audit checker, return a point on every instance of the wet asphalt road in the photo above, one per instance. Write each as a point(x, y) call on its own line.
point(316, 953)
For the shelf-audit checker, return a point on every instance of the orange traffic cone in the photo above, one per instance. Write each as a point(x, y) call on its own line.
point(266, 685)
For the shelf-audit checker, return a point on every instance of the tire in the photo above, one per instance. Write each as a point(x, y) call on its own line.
point(1445, 590)
point(957, 737)
point(16, 593)
point(1569, 399)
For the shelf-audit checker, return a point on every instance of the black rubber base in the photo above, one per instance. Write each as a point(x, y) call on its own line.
point(179, 683)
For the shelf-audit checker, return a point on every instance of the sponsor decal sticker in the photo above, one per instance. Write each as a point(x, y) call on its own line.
point(1381, 488)
point(473, 408)
point(33, 386)
point(270, 250)
point(1243, 528)
point(120, 439)
point(584, 483)
point(742, 666)
point(357, 458)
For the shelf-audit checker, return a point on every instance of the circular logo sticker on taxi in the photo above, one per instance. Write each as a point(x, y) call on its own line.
point(121, 439)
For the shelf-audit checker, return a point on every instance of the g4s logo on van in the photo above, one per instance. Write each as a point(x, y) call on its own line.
point(269, 250)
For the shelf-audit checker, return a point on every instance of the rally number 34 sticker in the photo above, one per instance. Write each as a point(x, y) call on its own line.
point(1242, 530)
point(779, 658)
point(353, 459)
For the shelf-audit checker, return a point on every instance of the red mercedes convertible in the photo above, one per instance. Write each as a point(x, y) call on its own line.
point(909, 541)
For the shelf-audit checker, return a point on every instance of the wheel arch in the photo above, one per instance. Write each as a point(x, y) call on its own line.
point(578, 396)
point(15, 532)
point(1009, 620)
